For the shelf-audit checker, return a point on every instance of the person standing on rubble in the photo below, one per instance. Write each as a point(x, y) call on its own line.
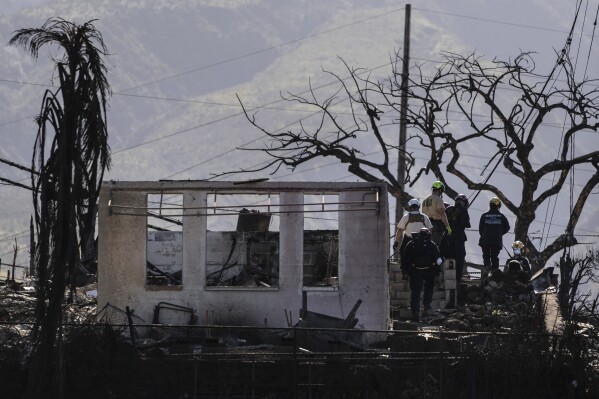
point(422, 261)
point(518, 262)
point(412, 221)
point(459, 221)
point(433, 207)
point(492, 226)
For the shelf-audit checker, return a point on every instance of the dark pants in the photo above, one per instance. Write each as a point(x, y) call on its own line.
point(438, 231)
point(459, 254)
point(491, 256)
point(418, 278)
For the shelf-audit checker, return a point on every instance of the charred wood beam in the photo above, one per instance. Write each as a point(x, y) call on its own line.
point(151, 226)
point(170, 276)
point(14, 183)
point(16, 165)
point(166, 219)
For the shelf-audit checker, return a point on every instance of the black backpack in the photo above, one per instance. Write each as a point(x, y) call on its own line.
point(422, 254)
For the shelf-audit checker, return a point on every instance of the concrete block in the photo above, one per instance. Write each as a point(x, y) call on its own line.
point(405, 303)
point(449, 275)
point(439, 295)
point(397, 302)
point(403, 326)
point(404, 313)
point(448, 264)
point(395, 267)
point(438, 304)
point(450, 284)
point(397, 286)
point(395, 276)
point(404, 295)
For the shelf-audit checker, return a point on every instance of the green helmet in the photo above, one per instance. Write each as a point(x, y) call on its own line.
point(437, 185)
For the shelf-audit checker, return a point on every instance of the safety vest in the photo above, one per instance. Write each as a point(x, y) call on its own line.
point(415, 218)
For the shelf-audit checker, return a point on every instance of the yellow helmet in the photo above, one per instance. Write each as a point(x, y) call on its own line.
point(518, 245)
point(495, 201)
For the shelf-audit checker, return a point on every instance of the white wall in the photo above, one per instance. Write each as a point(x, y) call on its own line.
point(363, 249)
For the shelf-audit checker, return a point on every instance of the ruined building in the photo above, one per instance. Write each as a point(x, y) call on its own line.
point(251, 253)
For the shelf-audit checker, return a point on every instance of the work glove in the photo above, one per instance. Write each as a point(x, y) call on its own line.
point(448, 230)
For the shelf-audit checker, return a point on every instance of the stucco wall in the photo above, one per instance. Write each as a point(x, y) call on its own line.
point(363, 249)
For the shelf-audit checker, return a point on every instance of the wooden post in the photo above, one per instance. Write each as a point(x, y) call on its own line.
point(14, 258)
point(401, 161)
point(31, 249)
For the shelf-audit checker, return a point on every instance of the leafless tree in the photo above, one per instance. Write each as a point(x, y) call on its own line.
point(501, 109)
point(578, 275)
point(70, 155)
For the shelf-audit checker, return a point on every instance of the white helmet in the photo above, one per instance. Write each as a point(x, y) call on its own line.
point(414, 202)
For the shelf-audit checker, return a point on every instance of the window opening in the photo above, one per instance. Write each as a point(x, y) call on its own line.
point(321, 240)
point(164, 244)
point(242, 242)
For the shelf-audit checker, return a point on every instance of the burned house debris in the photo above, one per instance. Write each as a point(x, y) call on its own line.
point(280, 288)
point(245, 253)
point(183, 351)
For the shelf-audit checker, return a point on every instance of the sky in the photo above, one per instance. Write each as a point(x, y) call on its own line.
point(12, 6)
point(174, 113)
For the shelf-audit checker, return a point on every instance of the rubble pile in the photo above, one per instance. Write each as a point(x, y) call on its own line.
point(17, 309)
point(17, 314)
point(502, 301)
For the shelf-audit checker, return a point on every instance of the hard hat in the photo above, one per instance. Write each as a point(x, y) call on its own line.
point(414, 202)
point(495, 201)
point(437, 185)
point(425, 233)
point(461, 197)
point(518, 245)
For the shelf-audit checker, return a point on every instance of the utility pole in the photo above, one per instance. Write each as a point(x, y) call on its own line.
point(401, 161)
point(31, 249)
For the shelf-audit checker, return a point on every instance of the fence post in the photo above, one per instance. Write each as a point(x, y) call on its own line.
point(131, 328)
point(195, 377)
point(295, 362)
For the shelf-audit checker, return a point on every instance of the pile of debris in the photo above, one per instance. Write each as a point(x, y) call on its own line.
point(17, 309)
point(500, 301)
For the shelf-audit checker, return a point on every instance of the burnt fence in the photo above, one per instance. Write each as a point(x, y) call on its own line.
point(157, 361)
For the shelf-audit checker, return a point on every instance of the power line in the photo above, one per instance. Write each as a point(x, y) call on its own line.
point(27, 118)
point(236, 114)
point(20, 234)
point(26, 83)
point(591, 45)
point(493, 21)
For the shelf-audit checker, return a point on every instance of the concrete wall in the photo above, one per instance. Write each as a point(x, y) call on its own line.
point(363, 249)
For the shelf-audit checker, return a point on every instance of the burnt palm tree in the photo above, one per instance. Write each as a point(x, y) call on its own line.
point(70, 156)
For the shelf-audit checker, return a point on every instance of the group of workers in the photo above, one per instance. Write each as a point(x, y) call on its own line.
point(427, 238)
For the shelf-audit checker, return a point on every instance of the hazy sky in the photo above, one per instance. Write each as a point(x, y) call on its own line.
point(12, 6)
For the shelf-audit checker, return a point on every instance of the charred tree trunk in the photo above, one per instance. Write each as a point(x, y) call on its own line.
point(71, 164)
